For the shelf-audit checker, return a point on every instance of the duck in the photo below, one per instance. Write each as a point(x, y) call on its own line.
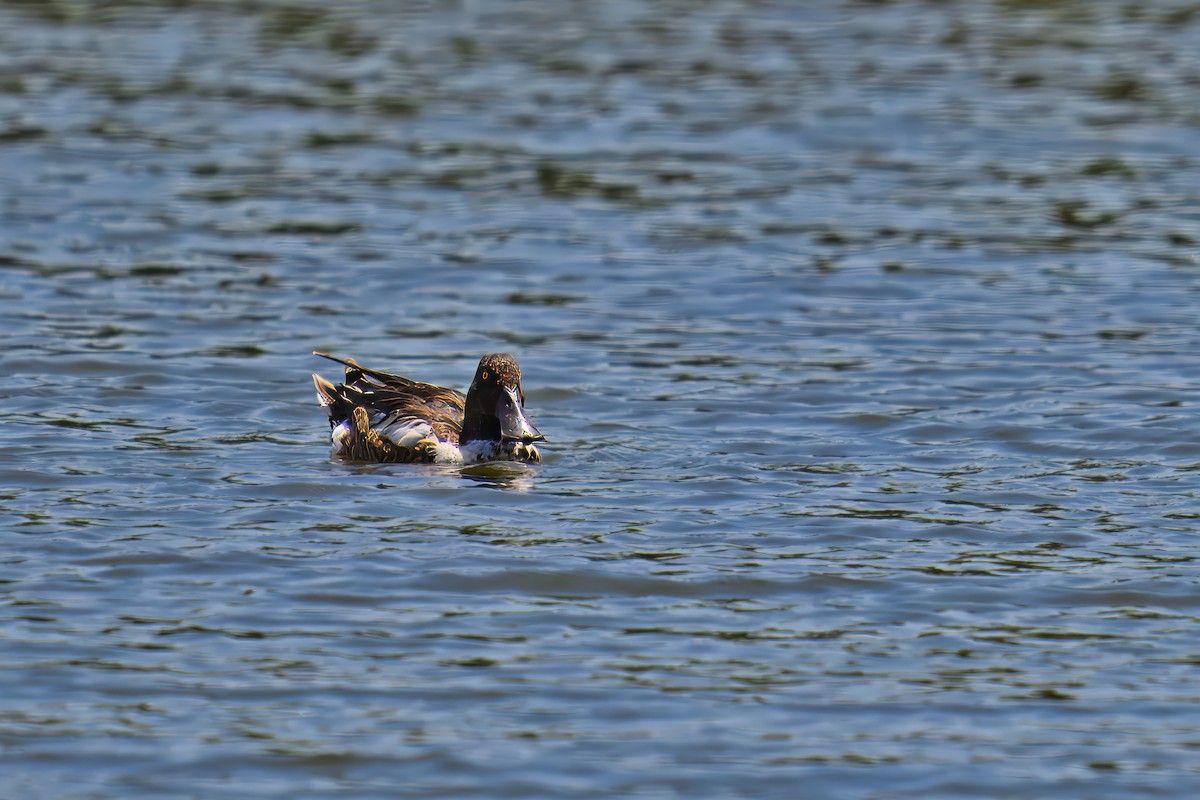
point(376, 416)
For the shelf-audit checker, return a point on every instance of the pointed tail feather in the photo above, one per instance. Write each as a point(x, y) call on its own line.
point(349, 362)
point(354, 370)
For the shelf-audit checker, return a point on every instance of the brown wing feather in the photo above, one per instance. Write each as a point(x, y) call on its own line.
point(401, 399)
point(420, 402)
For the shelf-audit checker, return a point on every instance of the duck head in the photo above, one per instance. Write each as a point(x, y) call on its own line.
point(495, 406)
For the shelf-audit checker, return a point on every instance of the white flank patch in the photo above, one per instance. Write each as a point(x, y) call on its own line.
point(448, 454)
point(476, 452)
point(405, 434)
point(339, 436)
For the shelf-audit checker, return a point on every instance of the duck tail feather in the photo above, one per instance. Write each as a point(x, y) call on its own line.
point(354, 371)
point(327, 393)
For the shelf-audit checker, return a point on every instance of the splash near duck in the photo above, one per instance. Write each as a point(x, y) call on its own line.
point(375, 416)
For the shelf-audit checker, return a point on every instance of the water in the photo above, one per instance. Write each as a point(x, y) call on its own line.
point(863, 335)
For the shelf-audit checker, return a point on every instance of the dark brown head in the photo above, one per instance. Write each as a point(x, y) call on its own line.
point(495, 407)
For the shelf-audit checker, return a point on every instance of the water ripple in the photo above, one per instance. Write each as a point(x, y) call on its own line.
point(863, 338)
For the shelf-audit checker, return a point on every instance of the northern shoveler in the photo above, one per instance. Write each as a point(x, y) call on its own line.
point(376, 416)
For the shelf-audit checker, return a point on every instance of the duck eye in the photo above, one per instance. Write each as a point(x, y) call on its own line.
point(483, 375)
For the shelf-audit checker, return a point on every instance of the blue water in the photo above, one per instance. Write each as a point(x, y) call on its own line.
point(863, 335)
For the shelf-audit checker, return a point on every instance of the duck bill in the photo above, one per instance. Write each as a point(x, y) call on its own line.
point(513, 422)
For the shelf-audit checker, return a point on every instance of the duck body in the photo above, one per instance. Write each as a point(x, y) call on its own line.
point(375, 416)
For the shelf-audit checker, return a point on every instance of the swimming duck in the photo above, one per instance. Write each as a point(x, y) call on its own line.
point(377, 416)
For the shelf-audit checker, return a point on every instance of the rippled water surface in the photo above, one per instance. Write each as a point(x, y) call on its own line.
point(864, 336)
